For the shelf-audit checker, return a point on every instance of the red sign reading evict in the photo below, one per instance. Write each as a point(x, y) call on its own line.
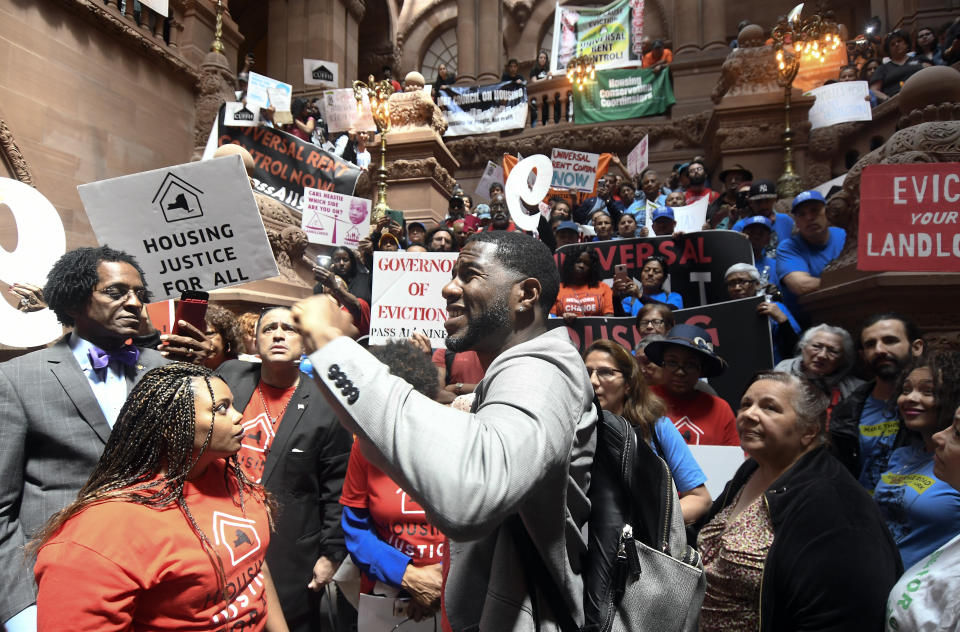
point(910, 218)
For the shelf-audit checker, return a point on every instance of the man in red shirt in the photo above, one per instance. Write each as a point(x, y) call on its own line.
point(699, 186)
point(686, 355)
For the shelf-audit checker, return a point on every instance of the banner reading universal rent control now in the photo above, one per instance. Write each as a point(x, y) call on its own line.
point(481, 109)
point(623, 94)
point(610, 34)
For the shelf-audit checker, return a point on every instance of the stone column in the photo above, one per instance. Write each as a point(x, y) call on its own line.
point(686, 18)
point(479, 41)
point(467, 49)
point(713, 21)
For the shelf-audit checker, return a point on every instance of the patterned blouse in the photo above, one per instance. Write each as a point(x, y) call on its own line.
point(734, 553)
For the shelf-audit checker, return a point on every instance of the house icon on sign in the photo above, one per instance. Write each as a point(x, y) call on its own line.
point(690, 431)
point(322, 73)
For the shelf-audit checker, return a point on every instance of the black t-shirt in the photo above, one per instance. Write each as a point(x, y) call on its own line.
point(893, 75)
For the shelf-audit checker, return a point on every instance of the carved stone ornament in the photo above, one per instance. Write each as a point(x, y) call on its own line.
point(12, 156)
point(214, 87)
point(423, 168)
point(474, 151)
point(356, 8)
point(749, 69)
point(415, 110)
point(287, 240)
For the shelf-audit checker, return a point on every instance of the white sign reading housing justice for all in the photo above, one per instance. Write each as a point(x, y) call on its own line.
point(191, 227)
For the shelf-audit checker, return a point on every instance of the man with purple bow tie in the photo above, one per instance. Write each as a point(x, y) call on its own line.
point(58, 405)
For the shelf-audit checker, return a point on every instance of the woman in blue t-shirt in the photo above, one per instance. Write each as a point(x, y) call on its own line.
point(621, 389)
point(921, 511)
point(653, 274)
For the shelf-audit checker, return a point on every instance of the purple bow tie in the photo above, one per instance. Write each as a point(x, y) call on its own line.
point(100, 359)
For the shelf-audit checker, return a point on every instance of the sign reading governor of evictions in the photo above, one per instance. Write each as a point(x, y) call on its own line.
point(191, 227)
point(407, 295)
point(910, 218)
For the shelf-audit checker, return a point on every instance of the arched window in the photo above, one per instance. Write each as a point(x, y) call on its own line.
point(442, 50)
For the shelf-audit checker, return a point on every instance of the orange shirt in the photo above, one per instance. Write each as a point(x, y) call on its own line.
point(648, 59)
point(584, 300)
point(123, 566)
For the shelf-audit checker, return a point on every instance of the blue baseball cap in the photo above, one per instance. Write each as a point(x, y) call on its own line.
point(757, 219)
point(807, 196)
point(568, 225)
point(483, 211)
point(664, 211)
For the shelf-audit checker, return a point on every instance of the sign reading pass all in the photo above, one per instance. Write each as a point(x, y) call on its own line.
point(191, 227)
point(910, 218)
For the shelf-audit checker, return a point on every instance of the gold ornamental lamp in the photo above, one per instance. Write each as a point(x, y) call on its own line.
point(378, 92)
point(799, 41)
point(580, 70)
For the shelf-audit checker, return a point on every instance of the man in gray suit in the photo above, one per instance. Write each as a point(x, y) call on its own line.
point(524, 449)
point(57, 405)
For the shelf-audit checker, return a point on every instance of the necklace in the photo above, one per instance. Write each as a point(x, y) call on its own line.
point(263, 401)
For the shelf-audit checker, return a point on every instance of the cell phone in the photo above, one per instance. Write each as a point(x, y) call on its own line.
point(192, 308)
point(620, 272)
point(396, 216)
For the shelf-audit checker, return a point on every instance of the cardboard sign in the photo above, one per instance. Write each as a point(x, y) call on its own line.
point(334, 219)
point(696, 262)
point(739, 336)
point(191, 227)
point(339, 110)
point(639, 157)
point(910, 218)
point(319, 72)
point(40, 241)
point(285, 165)
point(690, 218)
point(840, 102)
point(574, 170)
point(262, 92)
point(407, 295)
point(493, 173)
point(236, 114)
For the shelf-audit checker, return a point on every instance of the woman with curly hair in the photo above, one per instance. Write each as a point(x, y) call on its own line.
point(581, 291)
point(168, 533)
point(621, 389)
point(223, 334)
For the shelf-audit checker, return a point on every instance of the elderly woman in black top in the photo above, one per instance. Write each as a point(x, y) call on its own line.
point(794, 542)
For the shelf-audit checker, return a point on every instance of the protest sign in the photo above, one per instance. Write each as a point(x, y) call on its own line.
point(910, 218)
point(334, 219)
point(696, 262)
point(492, 174)
point(482, 109)
point(572, 197)
point(739, 336)
point(319, 72)
point(639, 157)
point(262, 92)
point(719, 463)
point(575, 170)
point(285, 165)
point(690, 218)
point(40, 240)
point(191, 227)
point(160, 6)
point(623, 94)
point(610, 34)
point(339, 110)
point(406, 295)
point(840, 102)
point(236, 114)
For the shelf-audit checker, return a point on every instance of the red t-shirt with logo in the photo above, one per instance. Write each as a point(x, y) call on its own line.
point(702, 419)
point(584, 300)
point(397, 518)
point(123, 566)
point(465, 368)
point(260, 427)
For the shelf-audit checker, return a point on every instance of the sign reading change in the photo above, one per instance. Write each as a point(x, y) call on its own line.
point(191, 227)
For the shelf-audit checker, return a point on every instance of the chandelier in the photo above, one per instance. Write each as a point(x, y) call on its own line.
point(581, 69)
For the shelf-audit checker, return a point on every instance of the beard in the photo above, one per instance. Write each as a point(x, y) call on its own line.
point(493, 323)
point(888, 372)
point(697, 180)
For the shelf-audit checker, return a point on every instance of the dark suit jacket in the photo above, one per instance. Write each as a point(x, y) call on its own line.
point(53, 432)
point(304, 471)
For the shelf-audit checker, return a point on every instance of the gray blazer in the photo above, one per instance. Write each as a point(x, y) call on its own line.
point(53, 432)
point(527, 447)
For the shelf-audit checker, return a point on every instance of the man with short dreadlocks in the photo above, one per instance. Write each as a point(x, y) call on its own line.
point(58, 405)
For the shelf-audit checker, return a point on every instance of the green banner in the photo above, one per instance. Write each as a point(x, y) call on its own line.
point(623, 94)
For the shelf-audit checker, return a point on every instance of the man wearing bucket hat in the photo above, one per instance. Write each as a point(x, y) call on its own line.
point(686, 355)
point(802, 258)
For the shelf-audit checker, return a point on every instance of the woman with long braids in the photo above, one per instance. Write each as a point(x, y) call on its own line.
point(168, 533)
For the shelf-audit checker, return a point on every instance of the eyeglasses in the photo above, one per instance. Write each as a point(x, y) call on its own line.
point(121, 292)
point(603, 373)
point(830, 352)
point(740, 283)
point(688, 367)
point(653, 322)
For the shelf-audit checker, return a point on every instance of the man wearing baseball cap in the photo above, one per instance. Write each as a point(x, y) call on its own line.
point(758, 230)
point(664, 221)
point(762, 198)
point(802, 258)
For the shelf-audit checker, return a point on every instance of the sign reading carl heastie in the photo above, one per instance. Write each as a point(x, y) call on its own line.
point(191, 227)
point(910, 218)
